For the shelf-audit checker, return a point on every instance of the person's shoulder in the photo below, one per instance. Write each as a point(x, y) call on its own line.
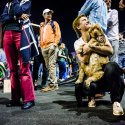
point(55, 22)
point(78, 41)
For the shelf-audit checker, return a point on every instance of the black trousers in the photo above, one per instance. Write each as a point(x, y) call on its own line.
point(37, 61)
point(111, 81)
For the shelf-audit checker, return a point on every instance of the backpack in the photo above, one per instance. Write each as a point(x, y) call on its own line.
point(54, 28)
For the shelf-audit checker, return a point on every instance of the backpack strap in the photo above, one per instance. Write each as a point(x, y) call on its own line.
point(53, 26)
point(54, 29)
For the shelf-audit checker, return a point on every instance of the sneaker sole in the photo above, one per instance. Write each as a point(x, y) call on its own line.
point(91, 106)
point(122, 113)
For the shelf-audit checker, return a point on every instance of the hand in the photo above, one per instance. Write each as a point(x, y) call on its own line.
point(86, 48)
point(121, 5)
point(25, 16)
point(55, 44)
point(65, 57)
point(87, 84)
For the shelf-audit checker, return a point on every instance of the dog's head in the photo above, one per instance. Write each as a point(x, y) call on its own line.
point(95, 31)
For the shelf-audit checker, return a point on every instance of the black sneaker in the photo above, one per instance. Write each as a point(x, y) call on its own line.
point(27, 105)
point(13, 103)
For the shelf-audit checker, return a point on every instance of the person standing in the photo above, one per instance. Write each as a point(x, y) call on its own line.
point(61, 60)
point(15, 12)
point(113, 30)
point(50, 35)
point(96, 10)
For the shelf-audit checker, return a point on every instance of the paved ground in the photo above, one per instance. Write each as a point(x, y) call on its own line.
point(59, 108)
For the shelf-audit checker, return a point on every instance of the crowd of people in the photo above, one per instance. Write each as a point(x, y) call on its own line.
point(99, 39)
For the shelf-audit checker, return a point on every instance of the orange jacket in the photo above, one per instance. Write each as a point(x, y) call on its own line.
point(48, 36)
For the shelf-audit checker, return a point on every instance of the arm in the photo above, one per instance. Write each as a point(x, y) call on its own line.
point(86, 8)
point(121, 5)
point(5, 15)
point(104, 50)
point(84, 52)
point(57, 33)
point(41, 32)
point(113, 20)
point(83, 58)
point(60, 54)
point(20, 8)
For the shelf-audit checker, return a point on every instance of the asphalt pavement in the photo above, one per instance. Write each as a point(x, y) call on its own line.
point(60, 108)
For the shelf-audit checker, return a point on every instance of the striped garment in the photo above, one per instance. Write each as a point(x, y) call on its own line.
point(28, 45)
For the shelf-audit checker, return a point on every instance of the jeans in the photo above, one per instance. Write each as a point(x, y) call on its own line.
point(115, 45)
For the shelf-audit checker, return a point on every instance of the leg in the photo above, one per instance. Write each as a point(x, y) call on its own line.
point(26, 82)
point(52, 57)
point(81, 74)
point(12, 59)
point(44, 76)
point(114, 81)
point(94, 78)
point(62, 69)
point(36, 65)
point(79, 93)
point(115, 45)
point(91, 96)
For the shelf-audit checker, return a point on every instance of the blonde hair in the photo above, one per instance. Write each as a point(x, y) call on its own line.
point(75, 25)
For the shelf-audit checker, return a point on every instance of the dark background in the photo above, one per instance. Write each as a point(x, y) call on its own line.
point(64, 13)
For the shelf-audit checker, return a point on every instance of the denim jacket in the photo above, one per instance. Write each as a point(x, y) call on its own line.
point(97, 12)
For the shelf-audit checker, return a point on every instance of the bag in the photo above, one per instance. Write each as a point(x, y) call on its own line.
point(7, 86)
point(54, 28)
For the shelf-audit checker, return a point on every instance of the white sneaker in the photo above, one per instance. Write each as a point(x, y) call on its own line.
point(92, 103)
point(117, 109)
point(62, 80)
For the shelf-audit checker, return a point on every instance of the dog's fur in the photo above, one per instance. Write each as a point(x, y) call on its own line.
point(92, 67)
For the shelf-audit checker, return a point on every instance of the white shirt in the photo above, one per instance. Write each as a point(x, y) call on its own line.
point(78, 43)
point(113, 32)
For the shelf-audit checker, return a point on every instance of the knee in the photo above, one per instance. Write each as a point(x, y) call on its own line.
point(93, 86)
point(112, 70)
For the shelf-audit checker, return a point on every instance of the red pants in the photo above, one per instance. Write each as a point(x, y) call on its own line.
point(21, 80)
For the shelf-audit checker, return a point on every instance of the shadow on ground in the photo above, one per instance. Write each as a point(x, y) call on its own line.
point(103, 109)
point(4, 101)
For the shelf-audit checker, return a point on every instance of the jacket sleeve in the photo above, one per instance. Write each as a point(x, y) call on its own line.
point(114, 17)
point(5, 16)
point(20, 8)
point(57, 33)
point(87, 7)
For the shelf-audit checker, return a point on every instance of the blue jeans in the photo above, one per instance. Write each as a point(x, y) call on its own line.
point(62, 69)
